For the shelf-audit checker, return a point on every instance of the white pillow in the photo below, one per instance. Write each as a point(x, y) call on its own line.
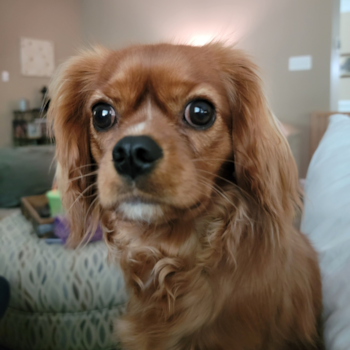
point(327, 223)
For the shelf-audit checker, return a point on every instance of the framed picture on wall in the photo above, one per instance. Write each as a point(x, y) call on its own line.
point(345, 65)
point(37, 57)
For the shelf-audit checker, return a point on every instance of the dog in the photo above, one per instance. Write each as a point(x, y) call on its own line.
point(174, 149)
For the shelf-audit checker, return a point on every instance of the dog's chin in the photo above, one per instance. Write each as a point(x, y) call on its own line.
point(141, 211)
point(158, 213)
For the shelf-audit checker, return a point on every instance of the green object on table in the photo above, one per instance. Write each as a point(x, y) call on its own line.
point(55, 203)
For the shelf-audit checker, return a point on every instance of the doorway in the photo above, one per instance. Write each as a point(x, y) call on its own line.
point(344, 57)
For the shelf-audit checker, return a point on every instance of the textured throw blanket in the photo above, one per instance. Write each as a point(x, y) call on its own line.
point(327, 223)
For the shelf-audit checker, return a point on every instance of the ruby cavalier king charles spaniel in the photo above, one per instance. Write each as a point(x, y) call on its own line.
point(174, 151)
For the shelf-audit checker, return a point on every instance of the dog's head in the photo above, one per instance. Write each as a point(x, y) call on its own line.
point(147, 132)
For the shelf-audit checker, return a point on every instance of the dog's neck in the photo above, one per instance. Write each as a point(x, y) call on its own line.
point(144, 250)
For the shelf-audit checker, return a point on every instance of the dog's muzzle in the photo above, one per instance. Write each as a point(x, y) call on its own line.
point(136, 155)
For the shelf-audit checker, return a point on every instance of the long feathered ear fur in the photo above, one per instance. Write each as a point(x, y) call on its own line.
point(69, 121)
point(265, 167)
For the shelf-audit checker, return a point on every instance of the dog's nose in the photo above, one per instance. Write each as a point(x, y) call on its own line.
point(136, 155)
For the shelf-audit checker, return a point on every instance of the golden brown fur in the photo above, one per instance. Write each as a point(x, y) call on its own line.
point(213, 262)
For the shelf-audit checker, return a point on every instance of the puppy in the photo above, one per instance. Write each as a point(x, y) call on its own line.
point(175, 150)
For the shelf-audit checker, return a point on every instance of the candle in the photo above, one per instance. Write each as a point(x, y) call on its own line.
point(55, 203)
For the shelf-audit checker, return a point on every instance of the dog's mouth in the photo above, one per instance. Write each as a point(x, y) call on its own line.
point(149, 209)
point(136, 200)
point(139, 208)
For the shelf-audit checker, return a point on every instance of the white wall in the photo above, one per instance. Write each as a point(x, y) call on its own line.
point(271, 30)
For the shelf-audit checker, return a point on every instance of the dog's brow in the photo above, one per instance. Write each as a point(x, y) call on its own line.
point(205, 91)
point(99, 95)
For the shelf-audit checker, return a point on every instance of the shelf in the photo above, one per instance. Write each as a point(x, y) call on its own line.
point(30, 138)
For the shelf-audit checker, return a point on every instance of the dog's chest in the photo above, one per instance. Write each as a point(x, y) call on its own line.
point(160, 262)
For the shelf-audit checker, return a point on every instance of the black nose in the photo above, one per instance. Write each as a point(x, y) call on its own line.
point(136, 155)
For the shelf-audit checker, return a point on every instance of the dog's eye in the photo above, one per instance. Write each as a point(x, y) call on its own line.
point(200, 114)
point(103, 116)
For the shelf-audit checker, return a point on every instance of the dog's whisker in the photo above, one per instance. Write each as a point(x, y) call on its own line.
point(231, 183)
point(224, 160)
point(218, 176)
point(84, 175)
point(87, 188)
point(212, 187)
point(93, 226)
point(81, 167)
point(95, 219)
point(81, 195)
point(219, 189)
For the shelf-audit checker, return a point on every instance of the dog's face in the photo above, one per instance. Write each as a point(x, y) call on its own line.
point(160, 132)
point(161, 125)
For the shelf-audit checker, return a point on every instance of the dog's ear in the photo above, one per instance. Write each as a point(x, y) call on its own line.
point(68, 118)
point(265, 167)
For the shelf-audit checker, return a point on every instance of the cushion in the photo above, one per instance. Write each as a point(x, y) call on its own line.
point(60, 298)
point(327, 223)
point(25, 171)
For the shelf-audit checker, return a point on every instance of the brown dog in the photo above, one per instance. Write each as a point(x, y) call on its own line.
point(175, 149)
